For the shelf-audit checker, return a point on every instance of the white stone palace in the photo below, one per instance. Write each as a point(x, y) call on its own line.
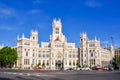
point(58, 53)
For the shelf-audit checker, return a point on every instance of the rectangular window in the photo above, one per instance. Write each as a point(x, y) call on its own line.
point(33, 61)
point(91, 45)
point(33, 55)
point(85, 55)
point(52, 55)
point(66, 55)
point(81, 39)
point(65, 62)
point(70, 63)
point(26, 53)
point(47, 55)
point(73, 55)
point(40, 62)
point(24, 61)
point(69, 55)
point(57, 30)
point(43, 55)
point(28, 61)
point(39, 55)
point(90, 51)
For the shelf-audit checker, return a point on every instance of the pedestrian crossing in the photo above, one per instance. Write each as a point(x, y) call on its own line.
point(27, 74)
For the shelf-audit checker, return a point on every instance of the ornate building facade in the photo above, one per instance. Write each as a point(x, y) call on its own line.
point(92, 54)
point(117, 54)
point(58, 53)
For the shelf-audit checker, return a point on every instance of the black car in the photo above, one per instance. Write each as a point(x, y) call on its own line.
point(70, 69)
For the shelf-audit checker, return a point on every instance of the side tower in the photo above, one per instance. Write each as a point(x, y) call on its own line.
point(83, 49)
point(112, 53)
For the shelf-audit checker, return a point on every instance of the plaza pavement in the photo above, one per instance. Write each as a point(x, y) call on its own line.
point(58, 75)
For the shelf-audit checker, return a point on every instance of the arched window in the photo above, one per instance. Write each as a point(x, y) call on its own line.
point(47, 63)
point(91, 54)
point(73, 55)
point(74, 63)
point(33, 37)
point(70, 63)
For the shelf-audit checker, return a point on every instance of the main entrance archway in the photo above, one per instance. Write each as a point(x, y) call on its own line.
point(59, 64)
point(59, 61)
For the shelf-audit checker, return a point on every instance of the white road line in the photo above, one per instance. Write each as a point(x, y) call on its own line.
point(20, 74)
point(28, 74)
point(14, 73)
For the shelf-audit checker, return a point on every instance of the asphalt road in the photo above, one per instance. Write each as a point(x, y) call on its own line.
point(58, 75)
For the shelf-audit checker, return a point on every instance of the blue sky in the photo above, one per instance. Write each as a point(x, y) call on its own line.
point(100, 18)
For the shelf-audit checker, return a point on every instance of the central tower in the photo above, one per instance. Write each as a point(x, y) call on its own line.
point(58, 44)
point(57, 31)
point(57, 27)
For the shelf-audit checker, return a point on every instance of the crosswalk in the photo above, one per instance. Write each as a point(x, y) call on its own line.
point(27, 74)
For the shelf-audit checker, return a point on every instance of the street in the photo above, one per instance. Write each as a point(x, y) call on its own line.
point(58, 75)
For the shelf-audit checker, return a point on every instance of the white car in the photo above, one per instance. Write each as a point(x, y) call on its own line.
point(85, 68)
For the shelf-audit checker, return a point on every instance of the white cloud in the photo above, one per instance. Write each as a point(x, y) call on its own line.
point(8, 28)
point(41, 25)
point(35, 11)
point(93, 4)
point(6, 12)
point(117, 45)
point(105, 42)
point(36, 1)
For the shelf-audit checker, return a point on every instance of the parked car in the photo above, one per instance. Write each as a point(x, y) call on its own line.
point(106, 68)
point(111, 68)
point(70, 69)
point(39, 68)
point(85, 68)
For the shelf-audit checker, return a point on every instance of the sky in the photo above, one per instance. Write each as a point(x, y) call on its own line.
point(100, 18)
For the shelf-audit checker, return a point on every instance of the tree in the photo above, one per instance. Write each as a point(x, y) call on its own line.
point(116, 62)
point(78, 65)
point(8, 56)
point(43, 65)
point(38, 65)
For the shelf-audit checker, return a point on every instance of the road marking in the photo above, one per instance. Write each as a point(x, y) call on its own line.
point(14, 73)
point(30, 74)
point(20, 74)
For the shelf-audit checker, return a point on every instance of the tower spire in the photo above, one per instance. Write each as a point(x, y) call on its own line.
point(95, 38)
point(23, 35)
point(112, 40)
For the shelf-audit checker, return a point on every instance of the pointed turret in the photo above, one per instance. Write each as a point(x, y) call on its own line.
point(17, 37)
point(23, 35)
point(95, 38)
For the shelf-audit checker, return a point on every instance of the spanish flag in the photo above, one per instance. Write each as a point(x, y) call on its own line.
point(57, 38)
